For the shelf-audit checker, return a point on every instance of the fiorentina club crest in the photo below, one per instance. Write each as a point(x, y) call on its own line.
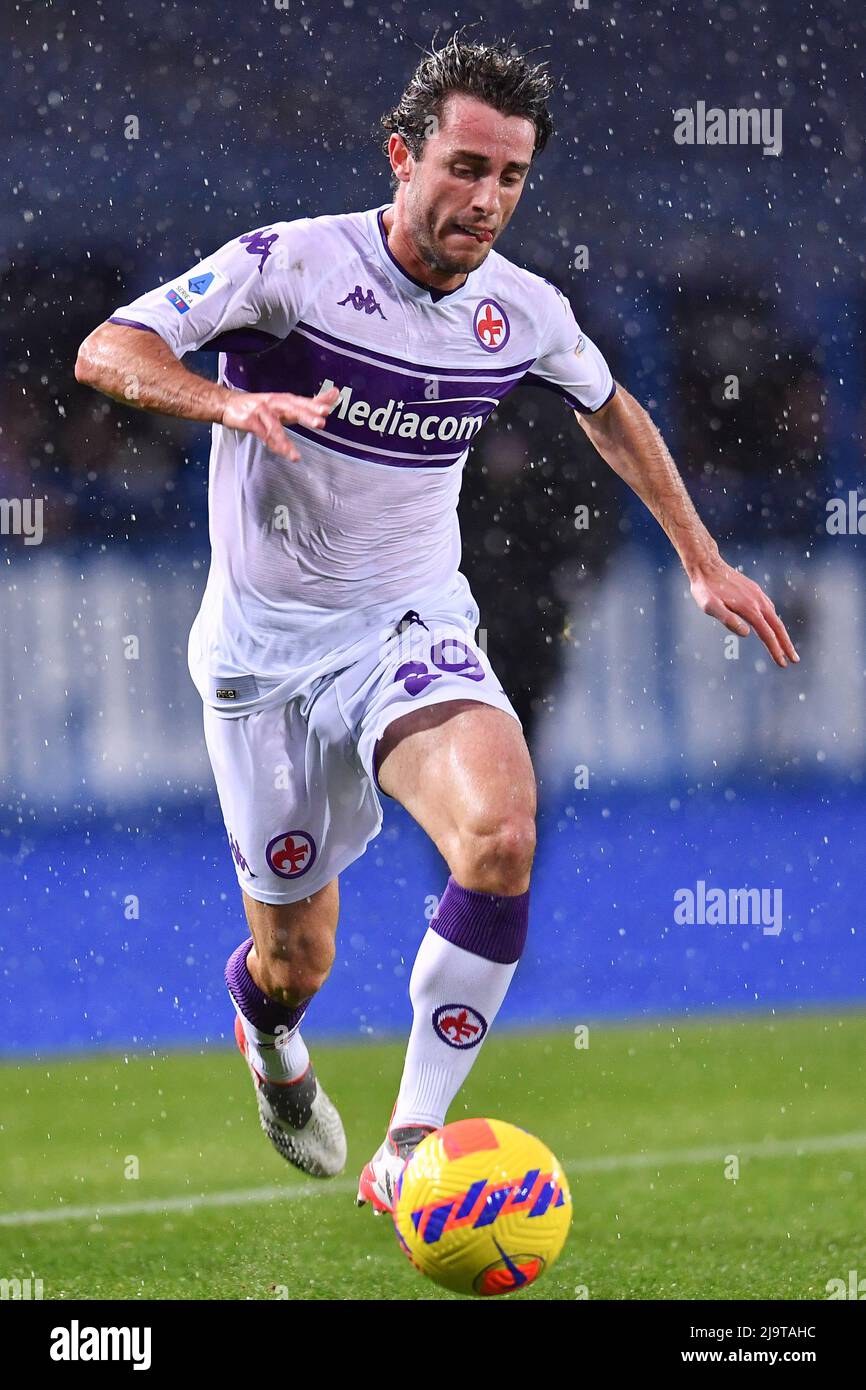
point(292, 854)
point(490, 325)
point(458, 1025)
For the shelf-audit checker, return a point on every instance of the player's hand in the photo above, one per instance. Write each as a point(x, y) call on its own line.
point(737, 601)
point(264, 414)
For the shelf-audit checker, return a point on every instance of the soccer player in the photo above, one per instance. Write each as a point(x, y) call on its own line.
point(334, 651)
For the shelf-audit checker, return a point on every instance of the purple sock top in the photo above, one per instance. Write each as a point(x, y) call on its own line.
point(484, 923)
point(259, 1009)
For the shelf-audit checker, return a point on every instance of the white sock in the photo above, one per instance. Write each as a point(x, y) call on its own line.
point(280, 1056)
point(456, 996)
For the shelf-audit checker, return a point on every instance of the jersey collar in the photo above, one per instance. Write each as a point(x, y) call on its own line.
point(411, 287)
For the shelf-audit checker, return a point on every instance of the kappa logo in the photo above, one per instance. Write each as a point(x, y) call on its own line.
point(490, 325)
point(361, 301)
point(291, 854)
point(258, 244)
point(459, 1026)
point(238, 857)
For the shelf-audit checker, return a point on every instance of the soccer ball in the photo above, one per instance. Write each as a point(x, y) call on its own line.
point(482, 1207)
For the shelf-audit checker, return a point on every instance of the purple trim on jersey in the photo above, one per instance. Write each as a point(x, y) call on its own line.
point(257, 1008)
point(486, 924)
point(133, 323)
point(382, 414)
point(435, 294)
point(241, 340)
point(422, 368)
point(534, 380)
point(326, 441)
point(609, 397)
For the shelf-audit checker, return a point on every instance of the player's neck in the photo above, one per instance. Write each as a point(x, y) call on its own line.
point(403, 252)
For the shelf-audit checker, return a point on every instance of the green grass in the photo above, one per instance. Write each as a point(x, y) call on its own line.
point(677, 1229)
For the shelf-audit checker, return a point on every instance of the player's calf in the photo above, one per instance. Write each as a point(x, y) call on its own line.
point(271, 984)
point(294, 945)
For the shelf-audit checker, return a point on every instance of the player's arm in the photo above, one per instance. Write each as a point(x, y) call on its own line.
point(241, 290)
point(135, 366)
point(625, 436)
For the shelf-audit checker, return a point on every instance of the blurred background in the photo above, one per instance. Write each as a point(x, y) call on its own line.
point(726, 289)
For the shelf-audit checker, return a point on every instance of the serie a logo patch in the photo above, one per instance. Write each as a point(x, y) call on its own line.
point(184, 293)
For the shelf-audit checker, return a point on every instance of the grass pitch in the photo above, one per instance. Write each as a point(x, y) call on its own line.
point(645, 1121)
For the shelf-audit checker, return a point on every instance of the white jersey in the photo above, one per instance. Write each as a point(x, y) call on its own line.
point(310, 556)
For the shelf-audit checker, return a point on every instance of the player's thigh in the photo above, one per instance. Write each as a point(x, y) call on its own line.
point(462, 770)
point(297, 808)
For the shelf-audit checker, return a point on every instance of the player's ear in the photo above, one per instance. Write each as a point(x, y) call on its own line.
point(398, 153)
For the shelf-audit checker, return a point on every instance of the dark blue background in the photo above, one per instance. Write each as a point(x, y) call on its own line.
point(602, 942)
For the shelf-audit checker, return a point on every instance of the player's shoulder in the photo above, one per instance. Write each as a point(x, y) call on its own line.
point(530, 300)
point(309, 247)
point(323, 230)
point(523, 282)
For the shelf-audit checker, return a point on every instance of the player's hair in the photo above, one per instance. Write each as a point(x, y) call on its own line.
point(493, 72)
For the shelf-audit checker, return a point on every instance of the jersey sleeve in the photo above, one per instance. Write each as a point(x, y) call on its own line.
point(570, 363)
point(245, 297)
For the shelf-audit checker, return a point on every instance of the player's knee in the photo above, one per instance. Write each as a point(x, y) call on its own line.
point(496, 857)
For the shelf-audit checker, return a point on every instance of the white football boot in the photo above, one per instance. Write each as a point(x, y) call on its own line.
point(301, 1122)
point(378, 1180)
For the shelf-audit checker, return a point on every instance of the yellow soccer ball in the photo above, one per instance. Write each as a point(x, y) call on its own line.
point(482, 1207)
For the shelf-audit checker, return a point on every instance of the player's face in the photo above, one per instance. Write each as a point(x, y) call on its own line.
point(460, 195)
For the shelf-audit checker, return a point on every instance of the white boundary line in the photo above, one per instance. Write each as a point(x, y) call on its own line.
point(769, 1148)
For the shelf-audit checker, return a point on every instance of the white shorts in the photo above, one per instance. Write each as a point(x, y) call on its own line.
point(296, 782)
